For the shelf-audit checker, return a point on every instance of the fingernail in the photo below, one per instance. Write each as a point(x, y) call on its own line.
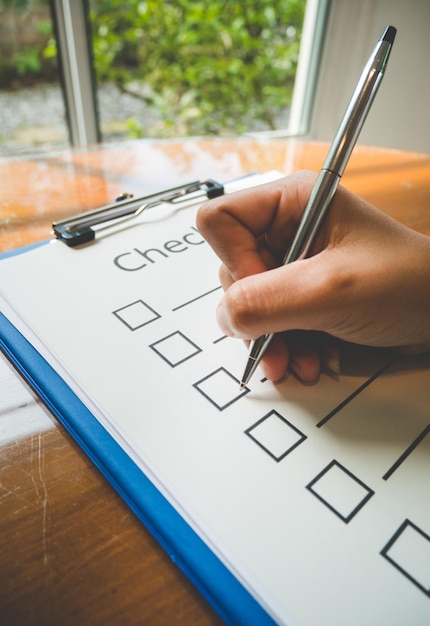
point(299, 373)
point(331, 360)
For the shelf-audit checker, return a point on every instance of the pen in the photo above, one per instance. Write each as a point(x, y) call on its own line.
point(331, 172)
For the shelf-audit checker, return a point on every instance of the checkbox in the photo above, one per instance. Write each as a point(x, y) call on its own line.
point(221, 388)
point(409, 551)
point(275, 435)
point(136, 314)
point(341, 491)
point(175, 348)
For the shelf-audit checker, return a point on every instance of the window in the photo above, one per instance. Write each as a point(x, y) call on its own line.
point(155, 69)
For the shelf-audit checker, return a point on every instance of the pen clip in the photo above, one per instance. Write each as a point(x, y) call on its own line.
point(82, 228)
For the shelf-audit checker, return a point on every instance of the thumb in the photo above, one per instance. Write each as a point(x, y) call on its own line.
point(295, 296)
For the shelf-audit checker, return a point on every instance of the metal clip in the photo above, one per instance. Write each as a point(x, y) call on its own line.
point(77, 230)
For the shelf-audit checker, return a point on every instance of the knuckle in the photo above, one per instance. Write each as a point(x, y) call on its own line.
point(206, 216)
point(241, 310)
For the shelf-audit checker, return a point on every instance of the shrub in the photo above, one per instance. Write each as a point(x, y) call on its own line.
point(207, 66)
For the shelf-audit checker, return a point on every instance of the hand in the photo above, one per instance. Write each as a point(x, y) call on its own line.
point(367, 279)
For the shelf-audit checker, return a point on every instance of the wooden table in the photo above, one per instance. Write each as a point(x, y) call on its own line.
point(71, 551)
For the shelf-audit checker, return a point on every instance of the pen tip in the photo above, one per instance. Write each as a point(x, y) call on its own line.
point(389, 34)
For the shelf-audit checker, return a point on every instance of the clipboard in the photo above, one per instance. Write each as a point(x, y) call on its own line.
point(190, 554)
point(231, 506)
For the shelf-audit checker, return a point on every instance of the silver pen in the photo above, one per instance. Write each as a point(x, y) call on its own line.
point(331, 172)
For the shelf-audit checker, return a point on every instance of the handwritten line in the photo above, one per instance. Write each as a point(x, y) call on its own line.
point(353, 395)
point(203, 295)
point(407, 452)
point(219, 339)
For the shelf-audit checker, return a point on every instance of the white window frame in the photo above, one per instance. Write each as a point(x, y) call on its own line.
point(76, 70)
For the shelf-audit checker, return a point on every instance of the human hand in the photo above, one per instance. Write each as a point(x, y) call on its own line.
point(367, 279)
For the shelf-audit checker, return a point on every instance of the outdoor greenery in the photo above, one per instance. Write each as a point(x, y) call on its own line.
point(207, 66)
point(25, 30)
point(213, 66)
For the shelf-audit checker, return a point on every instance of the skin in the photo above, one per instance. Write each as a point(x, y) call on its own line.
point(366, 281)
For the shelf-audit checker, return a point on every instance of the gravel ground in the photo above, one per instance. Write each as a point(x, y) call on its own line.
point(34, 118)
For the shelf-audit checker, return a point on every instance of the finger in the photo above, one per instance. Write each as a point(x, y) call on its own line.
point(305, 363)
point(276, 359)
point(306, 354)
point(279, 359)
point(303, 353)
point(310, 353)
point(301, 295)
point(239, 226)
point(225, 277)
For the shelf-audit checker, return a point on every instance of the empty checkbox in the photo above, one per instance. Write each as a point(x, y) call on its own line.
point(221, 388)
point(409, 551)
point(136, 314)
point(341, 491)
point(175, 348)
point(275, 435)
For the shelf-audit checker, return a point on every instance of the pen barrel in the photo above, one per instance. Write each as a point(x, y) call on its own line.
point(314, 213)
point(357, 110)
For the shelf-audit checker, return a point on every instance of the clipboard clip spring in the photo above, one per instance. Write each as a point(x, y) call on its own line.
point(82, 228)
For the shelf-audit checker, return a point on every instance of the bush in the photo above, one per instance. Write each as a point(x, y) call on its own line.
point(213, 66)
point(25, 29)
point(207, 66)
